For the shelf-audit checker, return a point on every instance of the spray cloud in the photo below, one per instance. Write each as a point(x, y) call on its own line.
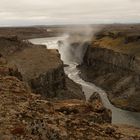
point(73, 47)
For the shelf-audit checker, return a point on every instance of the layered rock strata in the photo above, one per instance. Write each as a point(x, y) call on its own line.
point(115, 70)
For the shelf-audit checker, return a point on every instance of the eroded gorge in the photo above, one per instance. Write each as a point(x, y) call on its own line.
point(66, 83)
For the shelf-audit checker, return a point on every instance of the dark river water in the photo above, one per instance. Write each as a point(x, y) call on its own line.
point(119, 116)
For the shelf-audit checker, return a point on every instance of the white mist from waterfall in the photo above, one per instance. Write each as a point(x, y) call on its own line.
point(70, 53)
point(73, 45)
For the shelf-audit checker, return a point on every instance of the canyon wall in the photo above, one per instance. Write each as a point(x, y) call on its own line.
point(41, 69)
point(126, 62)
point(50, 82)
point(116, 72)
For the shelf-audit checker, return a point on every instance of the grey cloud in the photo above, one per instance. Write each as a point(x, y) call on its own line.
point(17, 12)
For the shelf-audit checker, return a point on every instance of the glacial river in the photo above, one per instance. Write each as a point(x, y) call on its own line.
point(119, 116)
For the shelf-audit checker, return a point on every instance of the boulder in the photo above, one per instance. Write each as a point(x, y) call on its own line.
point(98, 107)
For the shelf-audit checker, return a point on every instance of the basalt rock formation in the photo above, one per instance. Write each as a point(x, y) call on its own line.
point(25, 115)
point(41, 69)
point(115, 66)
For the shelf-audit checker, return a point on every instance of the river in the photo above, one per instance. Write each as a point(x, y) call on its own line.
point(119, 116)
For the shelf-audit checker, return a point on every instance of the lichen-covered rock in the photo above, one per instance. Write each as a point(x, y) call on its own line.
point(6, 69)
point(98, 106)
point(25, 115)
point(97, 103)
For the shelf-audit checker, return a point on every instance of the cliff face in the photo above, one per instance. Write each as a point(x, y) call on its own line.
point(49, 83)
point(25, 115)
point(43, 70)
point(40, 68)
point(114, 69)
point(126, 62)
point(117, 73)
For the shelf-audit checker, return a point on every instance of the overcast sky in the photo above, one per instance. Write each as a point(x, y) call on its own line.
point(34, 12)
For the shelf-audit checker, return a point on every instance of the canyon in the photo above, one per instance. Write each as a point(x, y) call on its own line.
point(112, 62)
point(41, 97)
point(40, 68)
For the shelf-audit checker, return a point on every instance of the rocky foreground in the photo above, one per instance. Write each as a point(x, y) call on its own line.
point(25, 115)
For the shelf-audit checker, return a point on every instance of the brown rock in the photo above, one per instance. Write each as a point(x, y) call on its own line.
point(68, 119)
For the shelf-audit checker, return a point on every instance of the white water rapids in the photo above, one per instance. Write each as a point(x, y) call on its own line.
point(119, 116)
